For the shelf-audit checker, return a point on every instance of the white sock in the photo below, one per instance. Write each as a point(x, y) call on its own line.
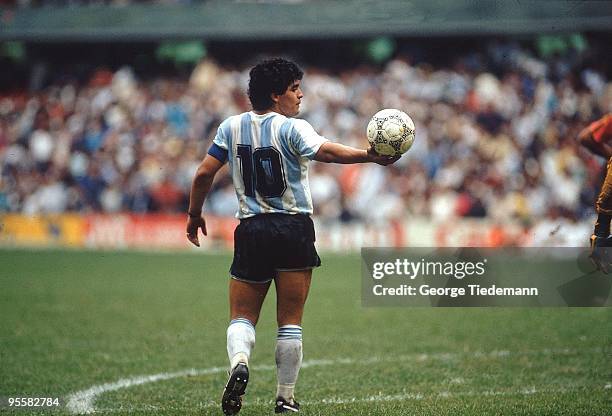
point(288, 359)
point(240, 341)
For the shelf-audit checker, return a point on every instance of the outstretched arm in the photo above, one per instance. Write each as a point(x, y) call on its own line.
point(331, 152)
point(199, 190)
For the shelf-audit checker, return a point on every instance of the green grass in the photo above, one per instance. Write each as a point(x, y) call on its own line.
point(72, 320)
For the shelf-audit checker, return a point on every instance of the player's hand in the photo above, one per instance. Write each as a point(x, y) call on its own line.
point(193, 223)
point(380, 159)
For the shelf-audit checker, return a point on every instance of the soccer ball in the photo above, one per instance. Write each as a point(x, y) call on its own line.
point(390, 132)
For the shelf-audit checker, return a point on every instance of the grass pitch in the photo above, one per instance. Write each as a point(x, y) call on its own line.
point(72, 321)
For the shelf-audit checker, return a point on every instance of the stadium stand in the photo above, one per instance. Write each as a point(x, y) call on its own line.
point(496, 128)
point(488, 146)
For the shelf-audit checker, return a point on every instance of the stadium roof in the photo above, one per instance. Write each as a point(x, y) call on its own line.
point(270, 19)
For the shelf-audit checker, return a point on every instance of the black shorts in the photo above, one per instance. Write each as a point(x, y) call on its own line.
point(268, 243)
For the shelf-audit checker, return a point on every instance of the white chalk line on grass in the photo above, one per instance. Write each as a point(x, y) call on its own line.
point(357, 400)
point(83, 401)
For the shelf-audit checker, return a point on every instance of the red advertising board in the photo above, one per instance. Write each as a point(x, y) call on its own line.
point(155, 231)
point(167, 231)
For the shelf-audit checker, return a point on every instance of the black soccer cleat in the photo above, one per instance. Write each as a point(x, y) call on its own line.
point(601, 252)
point(231, 402)
point(283, 406)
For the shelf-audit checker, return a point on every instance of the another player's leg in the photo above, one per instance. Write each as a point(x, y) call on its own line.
point(245, 304)
point(291, 293)
point(601, 241)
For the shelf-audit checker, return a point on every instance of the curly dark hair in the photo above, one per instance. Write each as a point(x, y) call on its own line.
point(271, 76)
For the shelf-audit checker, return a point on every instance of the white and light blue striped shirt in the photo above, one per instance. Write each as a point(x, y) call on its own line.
point(268, 156)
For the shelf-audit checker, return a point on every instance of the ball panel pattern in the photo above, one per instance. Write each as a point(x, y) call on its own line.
point(390, 132)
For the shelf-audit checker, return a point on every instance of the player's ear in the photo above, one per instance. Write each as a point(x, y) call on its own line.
point(274, 96)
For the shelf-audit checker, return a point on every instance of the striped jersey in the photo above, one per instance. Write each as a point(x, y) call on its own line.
point(268, 157)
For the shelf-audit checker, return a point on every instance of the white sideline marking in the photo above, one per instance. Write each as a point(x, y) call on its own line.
point(367, 399)
point(82, 402)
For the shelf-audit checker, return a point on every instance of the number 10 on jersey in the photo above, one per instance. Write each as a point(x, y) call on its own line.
point(262, 171)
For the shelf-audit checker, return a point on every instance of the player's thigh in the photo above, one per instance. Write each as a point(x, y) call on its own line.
point(253, 261)
point(246, 299)
point(291, 292)
point(604, 200)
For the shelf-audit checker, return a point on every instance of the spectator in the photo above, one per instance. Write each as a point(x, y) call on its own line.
point(494, 139)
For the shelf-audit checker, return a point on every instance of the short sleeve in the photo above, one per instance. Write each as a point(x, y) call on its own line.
point(221, 138)
point(602, 129)
point(304, 139)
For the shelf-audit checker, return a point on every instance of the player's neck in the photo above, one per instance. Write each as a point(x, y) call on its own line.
point(273, 109)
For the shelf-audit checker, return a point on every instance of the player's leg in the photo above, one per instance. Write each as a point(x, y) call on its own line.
point(252, 272)
point(601, 240)
point(292, 289)
point(245, 301)
point(291, 292)
point(604, 205)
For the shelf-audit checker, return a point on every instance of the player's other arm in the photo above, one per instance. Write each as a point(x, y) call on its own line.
point(199, 190)
point(331, 152)
point(594, 137)
point(586, 139)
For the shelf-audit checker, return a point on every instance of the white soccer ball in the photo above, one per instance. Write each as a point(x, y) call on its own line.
point(390, 132)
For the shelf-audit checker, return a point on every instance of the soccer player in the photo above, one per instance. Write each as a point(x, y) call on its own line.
point(268, 153)
point(597, 137)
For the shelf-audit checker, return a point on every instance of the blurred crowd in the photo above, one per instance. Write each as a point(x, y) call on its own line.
point(496, 138)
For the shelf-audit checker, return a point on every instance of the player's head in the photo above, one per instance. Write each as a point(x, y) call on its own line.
point(275, 84)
